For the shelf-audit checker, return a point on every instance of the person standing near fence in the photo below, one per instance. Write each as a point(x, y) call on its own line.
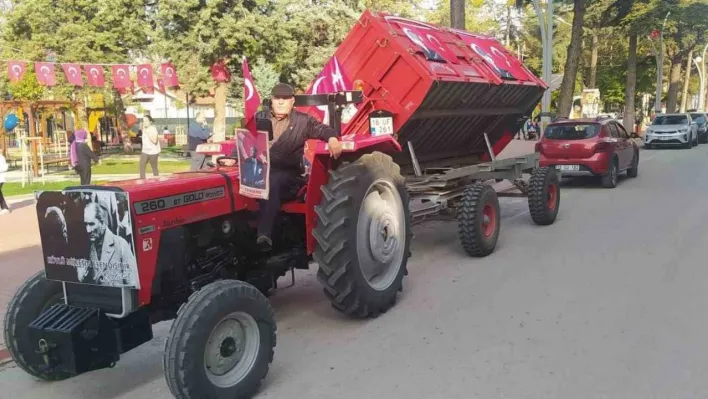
point(150, 148)
point(4, 209)
point(81, 156)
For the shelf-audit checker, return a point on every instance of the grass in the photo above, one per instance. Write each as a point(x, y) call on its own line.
point(132, 166)
point(10, 189)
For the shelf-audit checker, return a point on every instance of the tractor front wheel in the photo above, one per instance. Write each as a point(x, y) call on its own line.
point(221, 344)
point(363, 235)
point(32, 298)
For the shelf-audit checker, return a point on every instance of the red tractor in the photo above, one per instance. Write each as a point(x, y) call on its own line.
point(122, 256)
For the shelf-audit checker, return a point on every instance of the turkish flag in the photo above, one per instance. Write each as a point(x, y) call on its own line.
point(220, 72)
point(45, 73)
point(121, 76)
point(161, 86)
point(429, 44)
point(73, 74)
point(251, 100)
point(169, 75)
point(15, 70)
point(145, 76)
point(94, 75)
point(330, 80)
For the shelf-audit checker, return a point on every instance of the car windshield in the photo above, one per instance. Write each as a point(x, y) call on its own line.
point(698, 118)
point(670, 120)
point(572, 132)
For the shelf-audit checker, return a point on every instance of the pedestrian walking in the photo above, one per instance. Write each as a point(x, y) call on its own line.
point(81, 156)
point(197, 133)
point(4, 209)
point(150, 148)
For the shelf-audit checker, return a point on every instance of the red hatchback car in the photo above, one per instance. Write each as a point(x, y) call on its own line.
point(590, 147)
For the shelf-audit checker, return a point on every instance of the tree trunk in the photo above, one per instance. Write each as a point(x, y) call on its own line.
point(457, 14)
point(565, 100)
point(674, 86)
point(508, 26)
point(220, 112)
point(629, 94)
point(684, 95)
point(592, 81)
point(122, 122)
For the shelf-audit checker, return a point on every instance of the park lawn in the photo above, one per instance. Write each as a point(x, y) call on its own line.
point(132, 166)
point(10, 189)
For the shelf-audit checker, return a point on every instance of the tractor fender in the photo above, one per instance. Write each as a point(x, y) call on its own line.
point(317, 155)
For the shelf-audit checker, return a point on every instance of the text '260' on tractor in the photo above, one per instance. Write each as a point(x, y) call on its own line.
point(432, 108)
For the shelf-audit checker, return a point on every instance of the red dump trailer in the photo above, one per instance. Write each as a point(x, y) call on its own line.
point(445, 87)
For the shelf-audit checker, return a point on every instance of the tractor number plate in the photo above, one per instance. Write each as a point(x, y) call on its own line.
point(380, 126)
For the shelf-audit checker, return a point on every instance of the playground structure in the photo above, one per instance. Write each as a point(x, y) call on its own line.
point(40, 139)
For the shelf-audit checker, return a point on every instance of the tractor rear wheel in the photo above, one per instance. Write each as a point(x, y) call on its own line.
point(363, 235)
point(544, 196)
point(478, 220)
point(221, 344)
point(32, 298)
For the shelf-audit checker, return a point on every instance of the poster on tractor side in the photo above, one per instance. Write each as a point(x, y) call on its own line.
point(254, 163)
point(87, 237)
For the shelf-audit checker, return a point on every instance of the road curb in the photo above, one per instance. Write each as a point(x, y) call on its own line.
point(4, 355)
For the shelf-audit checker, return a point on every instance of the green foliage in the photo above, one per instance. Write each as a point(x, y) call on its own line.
point(27, 88)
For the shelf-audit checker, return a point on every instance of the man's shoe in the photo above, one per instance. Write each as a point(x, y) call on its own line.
point(264, 243)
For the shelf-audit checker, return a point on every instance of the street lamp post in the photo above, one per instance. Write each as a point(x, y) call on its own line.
point(660, 67)
point(702, 74)
point(546, 26)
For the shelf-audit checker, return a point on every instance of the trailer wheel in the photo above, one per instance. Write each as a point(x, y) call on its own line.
point(31, 299)
point(479, 220)
point(363, 235)
point(221, 344)
point(544, 196)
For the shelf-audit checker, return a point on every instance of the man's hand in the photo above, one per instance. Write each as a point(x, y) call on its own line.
point(335, 147)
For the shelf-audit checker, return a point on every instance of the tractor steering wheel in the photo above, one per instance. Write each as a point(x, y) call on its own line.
point(230, 161)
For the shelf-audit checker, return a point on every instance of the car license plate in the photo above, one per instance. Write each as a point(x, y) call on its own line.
point(664, 138)
point(568, 168)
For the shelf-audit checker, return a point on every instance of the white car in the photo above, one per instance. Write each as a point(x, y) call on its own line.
point(672, 130)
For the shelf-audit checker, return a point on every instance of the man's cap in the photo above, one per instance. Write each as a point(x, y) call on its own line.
point(282, 90)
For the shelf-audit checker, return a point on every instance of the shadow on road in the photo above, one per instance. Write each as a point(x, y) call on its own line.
point(21, 204)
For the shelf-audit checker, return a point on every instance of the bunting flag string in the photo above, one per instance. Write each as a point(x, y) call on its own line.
point(95, 74)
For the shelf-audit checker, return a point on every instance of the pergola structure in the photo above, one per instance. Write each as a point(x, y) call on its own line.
point(32, 107)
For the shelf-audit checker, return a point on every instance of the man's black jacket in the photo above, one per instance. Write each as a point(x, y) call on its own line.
point(287, 151)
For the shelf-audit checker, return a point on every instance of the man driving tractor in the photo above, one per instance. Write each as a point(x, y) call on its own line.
point(291, 128)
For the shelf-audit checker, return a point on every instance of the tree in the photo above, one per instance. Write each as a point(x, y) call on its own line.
point(83, 31)
point(635, 17)
point(565, 100)
point(295, 37)
point(685, 30)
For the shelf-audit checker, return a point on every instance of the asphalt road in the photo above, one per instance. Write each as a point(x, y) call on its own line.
point(606, 303)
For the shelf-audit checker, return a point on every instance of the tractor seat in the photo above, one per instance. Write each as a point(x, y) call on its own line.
point(294, 201)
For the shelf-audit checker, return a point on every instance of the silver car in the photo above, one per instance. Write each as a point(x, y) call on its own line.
point(672, 130)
